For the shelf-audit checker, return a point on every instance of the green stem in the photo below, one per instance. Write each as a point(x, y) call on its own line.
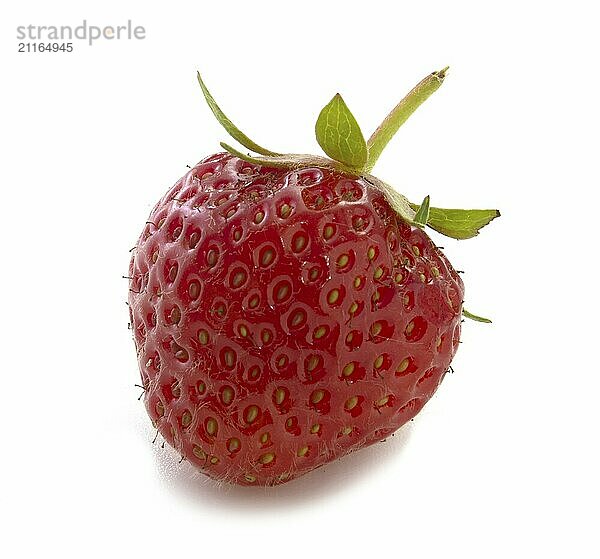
point(400, 113)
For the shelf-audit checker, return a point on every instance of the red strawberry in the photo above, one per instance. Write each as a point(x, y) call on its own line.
point(287, 310)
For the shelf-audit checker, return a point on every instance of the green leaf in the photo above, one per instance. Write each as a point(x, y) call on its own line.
point(340, 136)
point(422, 214)
point(400, 113)
point(474, 317)
point(459, 224)
point(231, 128)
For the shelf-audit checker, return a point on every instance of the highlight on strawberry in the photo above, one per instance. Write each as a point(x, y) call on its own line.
point(288, 309)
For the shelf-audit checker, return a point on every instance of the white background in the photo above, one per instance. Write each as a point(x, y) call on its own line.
point(501, 463)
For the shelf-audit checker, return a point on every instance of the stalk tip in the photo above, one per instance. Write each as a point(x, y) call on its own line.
point(441, 74)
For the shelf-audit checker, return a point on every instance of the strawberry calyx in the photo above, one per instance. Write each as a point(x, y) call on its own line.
point(341, 138)
point(339, 135)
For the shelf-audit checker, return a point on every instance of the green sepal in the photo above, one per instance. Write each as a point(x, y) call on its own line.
point(457, 223)
point(272, 160)
point(231, 128)
point(339, 134)
point(397, 201)
point(474, 317)
point(422, 214)
point(285, 161)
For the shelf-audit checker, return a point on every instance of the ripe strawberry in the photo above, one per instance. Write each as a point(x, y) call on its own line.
point(287, 310)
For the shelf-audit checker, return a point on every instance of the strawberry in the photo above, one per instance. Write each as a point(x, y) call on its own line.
point(287, 310)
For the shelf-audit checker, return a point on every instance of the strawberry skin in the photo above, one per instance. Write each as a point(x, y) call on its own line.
point(283, 318)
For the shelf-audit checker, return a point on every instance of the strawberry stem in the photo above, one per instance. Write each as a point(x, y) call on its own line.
point(400, 113)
